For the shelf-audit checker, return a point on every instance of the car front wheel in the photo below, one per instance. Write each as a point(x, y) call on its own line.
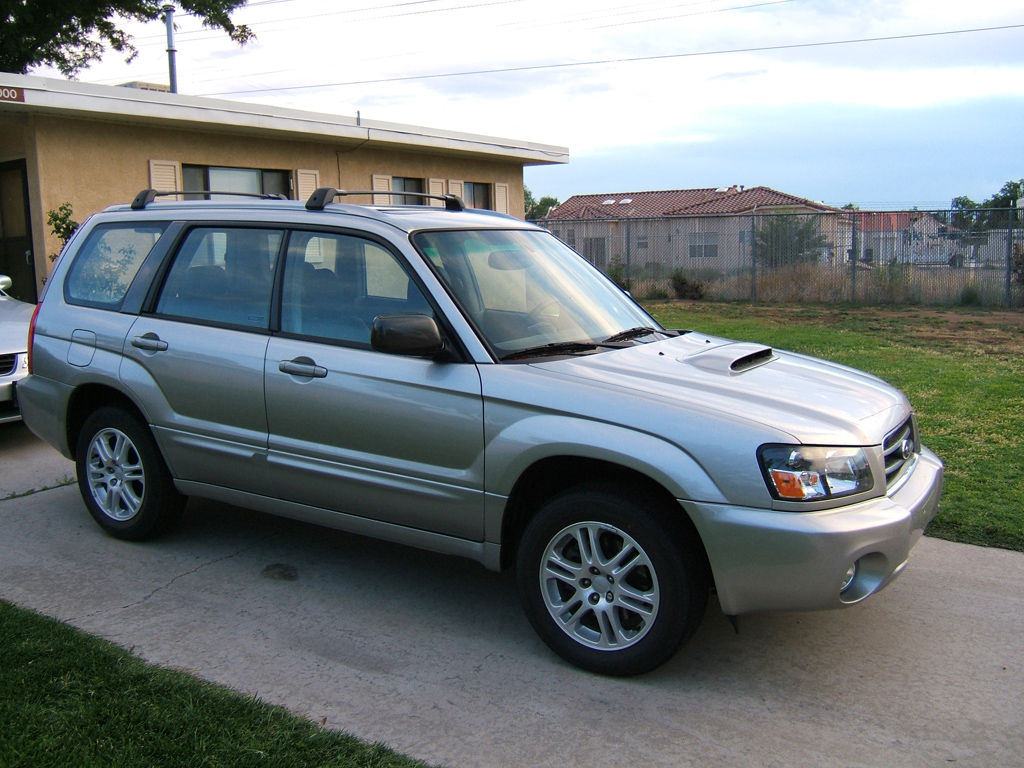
point(612, 582)
point(122, 477)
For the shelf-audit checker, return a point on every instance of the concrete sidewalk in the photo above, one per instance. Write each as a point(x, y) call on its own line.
point(433, 656)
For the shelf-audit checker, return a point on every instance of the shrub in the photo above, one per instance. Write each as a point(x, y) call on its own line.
point(617, 272)
point(61, 225)
point(686, 288)
point(970, 296)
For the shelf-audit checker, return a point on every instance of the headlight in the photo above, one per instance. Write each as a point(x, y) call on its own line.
point(813, 472)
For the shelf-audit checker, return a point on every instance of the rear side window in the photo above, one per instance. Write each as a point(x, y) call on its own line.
point(107, 263)
point(223, 275)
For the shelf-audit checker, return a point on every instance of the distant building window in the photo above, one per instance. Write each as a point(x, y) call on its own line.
point(641, 242)
point(594, 251)
point(402, 184)
point(703, 245)
point(570, 238)
point(476, 194)
point(217, 179)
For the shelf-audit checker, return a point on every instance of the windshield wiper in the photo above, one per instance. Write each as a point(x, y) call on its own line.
point(555, 348)
point(631, 333)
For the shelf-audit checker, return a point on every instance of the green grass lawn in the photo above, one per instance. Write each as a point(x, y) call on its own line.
point(963, 371)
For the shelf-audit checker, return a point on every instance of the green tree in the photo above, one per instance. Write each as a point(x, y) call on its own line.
point(992, 213)
point(788, 239)
point(537, 209)
point(72, 35)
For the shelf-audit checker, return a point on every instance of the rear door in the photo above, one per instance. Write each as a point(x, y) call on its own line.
point(391, 438)
point(196, 360)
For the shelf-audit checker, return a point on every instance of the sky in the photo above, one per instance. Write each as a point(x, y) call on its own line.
point(882, 103)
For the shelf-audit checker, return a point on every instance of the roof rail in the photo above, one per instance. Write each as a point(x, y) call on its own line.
point(147, 196)
point(324, 195)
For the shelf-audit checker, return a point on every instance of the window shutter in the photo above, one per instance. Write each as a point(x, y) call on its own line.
point(501, 198)
point(306, 183)
point(456, 188)
point(381, 183)
point(164, 175)
point(435, 187)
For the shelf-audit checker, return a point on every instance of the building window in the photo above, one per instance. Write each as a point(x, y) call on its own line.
point(641, 243)
point(703, 245)
point(402, 184)
point(594, 251)
point(216, 179)
point(476, 194)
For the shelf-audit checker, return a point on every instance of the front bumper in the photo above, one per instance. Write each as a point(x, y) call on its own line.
point(768, 560)
point(9, 410)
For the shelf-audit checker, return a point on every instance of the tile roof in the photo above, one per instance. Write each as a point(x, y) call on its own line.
point(679, 202)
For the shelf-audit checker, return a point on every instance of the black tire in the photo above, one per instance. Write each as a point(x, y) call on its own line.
point(123, 478)
point(634, 621)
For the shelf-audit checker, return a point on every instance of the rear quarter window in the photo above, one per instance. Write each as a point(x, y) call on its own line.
point(107, 263)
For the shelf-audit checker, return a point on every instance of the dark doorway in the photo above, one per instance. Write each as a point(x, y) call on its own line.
point(17, 260)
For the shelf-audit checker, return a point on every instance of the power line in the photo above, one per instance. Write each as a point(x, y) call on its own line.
point(629, 60)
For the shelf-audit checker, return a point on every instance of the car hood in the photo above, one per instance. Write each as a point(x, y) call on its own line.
point(14, 319)
point(815, 401)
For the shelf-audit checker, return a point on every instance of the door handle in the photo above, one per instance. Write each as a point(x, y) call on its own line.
point(149, 341)
point(302, 366)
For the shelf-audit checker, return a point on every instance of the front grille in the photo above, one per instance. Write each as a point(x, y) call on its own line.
point(899, 446)
point(7, 364)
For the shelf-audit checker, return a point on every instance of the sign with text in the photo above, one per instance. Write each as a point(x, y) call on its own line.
point(12, 94)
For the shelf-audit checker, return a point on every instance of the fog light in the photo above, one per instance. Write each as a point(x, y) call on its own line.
point(851, 574)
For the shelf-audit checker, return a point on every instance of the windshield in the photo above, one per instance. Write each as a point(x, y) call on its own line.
point(525, 289)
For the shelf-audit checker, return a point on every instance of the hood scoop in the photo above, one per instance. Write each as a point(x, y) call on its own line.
point(730, 359)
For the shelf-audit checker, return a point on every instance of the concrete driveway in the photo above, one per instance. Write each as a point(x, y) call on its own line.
point(433, 656)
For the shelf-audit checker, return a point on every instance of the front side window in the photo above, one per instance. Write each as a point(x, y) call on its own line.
point(524, 289)
point(335, 285)
point(107, 263)
point(223, 275)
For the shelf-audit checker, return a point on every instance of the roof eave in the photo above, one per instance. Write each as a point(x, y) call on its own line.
point(128, 105)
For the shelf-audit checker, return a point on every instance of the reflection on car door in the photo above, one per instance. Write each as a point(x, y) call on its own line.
point(197, 360)
point(380, 436)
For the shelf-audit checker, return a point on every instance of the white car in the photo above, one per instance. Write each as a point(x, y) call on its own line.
point(14, 319)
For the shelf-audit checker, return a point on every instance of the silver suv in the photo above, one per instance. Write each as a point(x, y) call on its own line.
point(464, 382)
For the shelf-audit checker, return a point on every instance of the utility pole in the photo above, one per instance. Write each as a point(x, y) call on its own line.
point(171, 50)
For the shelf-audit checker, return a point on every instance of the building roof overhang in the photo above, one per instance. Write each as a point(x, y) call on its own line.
point(47, 96)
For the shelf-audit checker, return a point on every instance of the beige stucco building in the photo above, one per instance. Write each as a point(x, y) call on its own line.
point(91, 146)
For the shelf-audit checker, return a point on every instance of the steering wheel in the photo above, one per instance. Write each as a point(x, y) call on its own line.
point(536, 315)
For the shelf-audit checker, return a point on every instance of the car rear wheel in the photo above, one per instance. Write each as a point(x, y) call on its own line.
point(612, 582)
point(122, 477)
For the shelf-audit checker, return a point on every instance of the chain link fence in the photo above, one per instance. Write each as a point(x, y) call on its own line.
point(973, 257)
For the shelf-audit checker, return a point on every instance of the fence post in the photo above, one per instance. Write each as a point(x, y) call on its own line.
point(853, 260)
point(1010, 215)
point(753, 260)
point(629, 282)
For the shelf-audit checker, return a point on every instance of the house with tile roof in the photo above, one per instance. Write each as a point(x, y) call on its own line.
point(707, 229)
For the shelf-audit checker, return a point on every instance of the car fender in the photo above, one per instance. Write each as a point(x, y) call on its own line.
point(521, 444)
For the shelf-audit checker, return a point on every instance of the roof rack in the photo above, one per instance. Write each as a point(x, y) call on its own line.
point(324, 195)
point(147, 196)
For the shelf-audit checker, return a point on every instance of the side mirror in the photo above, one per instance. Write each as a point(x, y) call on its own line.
point(409, 335)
